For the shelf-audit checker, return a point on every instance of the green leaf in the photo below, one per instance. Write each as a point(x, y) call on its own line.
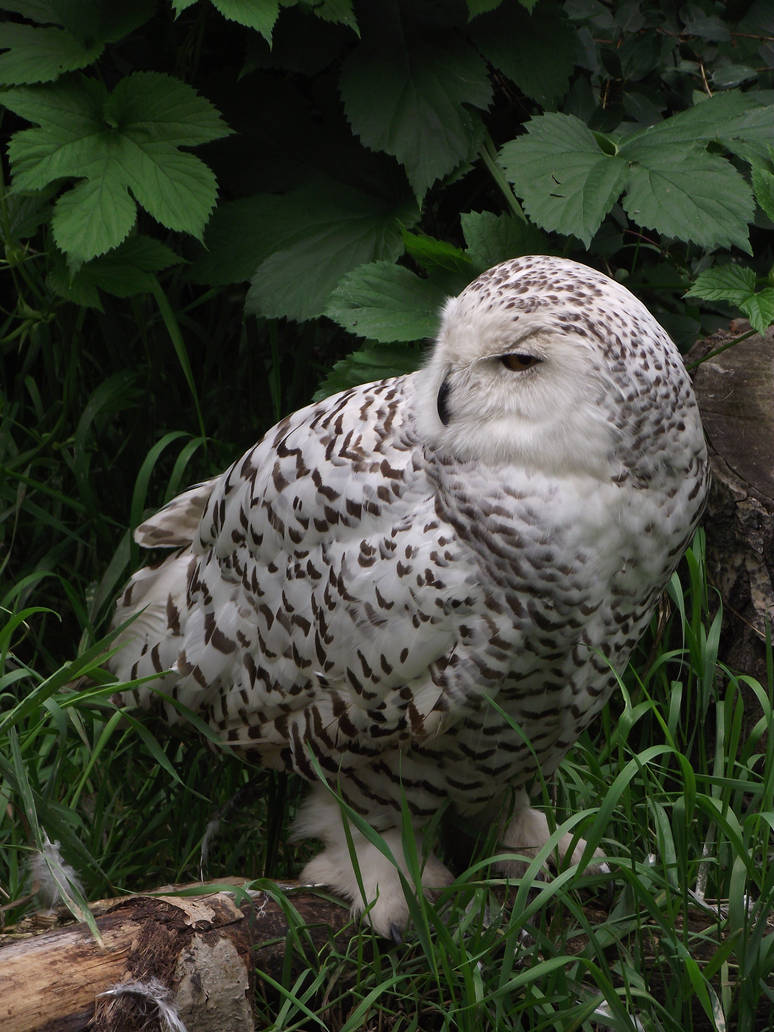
point(386, 302)
point(535, 51)
point(431, 254)
point(495, 238)
point(71, 109)
point(260, 15)
point(141, 252)
point(409, 100)
point(731, 118)
point(339, 12)
point(126, 271)
point(93, 217)
point(759, 309)
point(317, 235)
point(376, 363)
point(241, 234)
point(178, 6)
point(178, 189)
point(763, 187)
point(736, 284)
point(477, 7)
point(43, 11)
point(567, 181)
point(41, 54)
point(24, 213)
point(127, 140)
point(105, 20)
point(161, 108)
point(732, 283)
point(691, 195)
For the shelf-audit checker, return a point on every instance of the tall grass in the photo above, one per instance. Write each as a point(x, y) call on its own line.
point(677, 936)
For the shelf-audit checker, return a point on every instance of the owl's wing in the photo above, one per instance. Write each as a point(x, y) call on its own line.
point(322, 596)
point(176, 524)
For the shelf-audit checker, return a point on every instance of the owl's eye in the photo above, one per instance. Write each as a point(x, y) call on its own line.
point(518, 362)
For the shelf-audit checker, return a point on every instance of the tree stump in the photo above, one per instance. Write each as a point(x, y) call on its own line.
point(735, 391)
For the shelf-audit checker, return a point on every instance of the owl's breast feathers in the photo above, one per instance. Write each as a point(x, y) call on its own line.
point(342, 585)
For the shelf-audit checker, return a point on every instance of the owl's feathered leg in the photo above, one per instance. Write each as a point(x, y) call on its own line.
point(527, 832)
point(320, 817)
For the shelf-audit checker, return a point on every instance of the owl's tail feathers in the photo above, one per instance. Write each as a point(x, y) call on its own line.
point(176, 524)
point(153, 600)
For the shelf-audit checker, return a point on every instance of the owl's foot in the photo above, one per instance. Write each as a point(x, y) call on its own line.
point(527, 832)
point(382, 896)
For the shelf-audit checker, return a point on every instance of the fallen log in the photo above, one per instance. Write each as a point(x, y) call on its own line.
point(185, 958)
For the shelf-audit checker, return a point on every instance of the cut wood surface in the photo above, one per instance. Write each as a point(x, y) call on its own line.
point(197, 955)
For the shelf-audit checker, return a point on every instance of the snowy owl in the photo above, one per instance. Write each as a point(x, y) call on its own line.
point(363, 582)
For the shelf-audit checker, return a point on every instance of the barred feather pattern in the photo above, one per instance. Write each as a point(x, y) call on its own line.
point(362, 583)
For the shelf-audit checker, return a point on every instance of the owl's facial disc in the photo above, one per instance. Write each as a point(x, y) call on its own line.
point(503, 390)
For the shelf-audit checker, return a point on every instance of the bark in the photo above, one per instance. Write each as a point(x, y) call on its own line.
point(735, 391)
point(190, 957)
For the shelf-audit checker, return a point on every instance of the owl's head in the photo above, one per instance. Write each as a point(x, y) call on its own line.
point(543, 361)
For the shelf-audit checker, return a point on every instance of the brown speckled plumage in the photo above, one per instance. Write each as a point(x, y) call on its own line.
point(383, 563)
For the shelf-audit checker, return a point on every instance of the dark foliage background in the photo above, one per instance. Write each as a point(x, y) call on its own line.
point(163, 305)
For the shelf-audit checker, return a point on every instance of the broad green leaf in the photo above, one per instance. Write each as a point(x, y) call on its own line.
point(178, 189)
point(431, 254)
point(374, 363)
point(386, 302)
point(691, 195)
point(734, 283)
point(71, 110)
point(340, 12)
point(411, 101)
point(178, 6)
point(707, 26)
point(536, 51)
point(728, 118)
point(41, 54)
point(477, 7)
point(141, 251)
point(159, 107)
point(763, 186)
point(255, 14)
point(43, 11)
point(244, 233)
point(127, 140)
point(81, 290)
point(125, 271)
point(241, 234)
point(24, 213)
point(317, 234)
point(93, 217)
point(759, 309)
point(737, 285)
point(105, 20)
point(728, 74)
point(567, 181)
point(495, 238)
